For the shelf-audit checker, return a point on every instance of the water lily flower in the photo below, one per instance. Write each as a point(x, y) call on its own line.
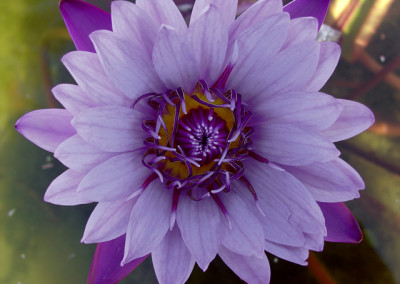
point(200, 140)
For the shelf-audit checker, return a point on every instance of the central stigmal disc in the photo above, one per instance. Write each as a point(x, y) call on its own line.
point(202, 135)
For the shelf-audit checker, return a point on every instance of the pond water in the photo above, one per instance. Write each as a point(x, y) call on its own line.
point(40, 242)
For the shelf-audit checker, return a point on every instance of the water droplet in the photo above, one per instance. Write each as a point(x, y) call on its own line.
point(11, 212)
point(71, 256)
point(47, 166)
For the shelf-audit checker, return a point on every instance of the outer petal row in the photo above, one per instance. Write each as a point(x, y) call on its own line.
point(73, 98)
point(181, 59)
point(251, 269)
point(105, 223)
point(333, 181)
point(134, 24)
point(172, 261)
point(106, 268)
point(47, 128)
point(199, 223)
point(314, 111)
point(80, 156)
point(209, 39)
point(125, 65)
point(111, 129)
point(307, 8)
point(291, 145)
point(145, 231)
point(163, 12)
point(259, 11)
point(227, 8)
point(340, 223)
point(88, 72)
point(81, 19)
point(305, 212)
point(354, 119)
point(244, 234)
point(115, 179)
point(62, 190)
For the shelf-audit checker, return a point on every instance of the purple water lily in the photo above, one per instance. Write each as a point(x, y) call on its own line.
point(200, 140)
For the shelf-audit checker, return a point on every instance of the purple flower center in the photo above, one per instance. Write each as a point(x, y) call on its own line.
point(202, 135)
point(197, 142)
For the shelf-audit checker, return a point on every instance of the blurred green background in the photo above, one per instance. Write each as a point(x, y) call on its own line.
point(40, 242)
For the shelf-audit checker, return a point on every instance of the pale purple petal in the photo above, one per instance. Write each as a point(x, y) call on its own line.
point(112, 129)
point(164, 12)
point(105, 223)
point(340, 223)
point(245, 236)
point(305, 212)
point(227, 9)
point(134, 24)
point(87, 71)
point(316, 111)
point(290, 145)
point(81, 19)
point(289, 70)
point(308, 8)
point(252, 269)
point(274, 218)
point(354, 119)
point(328, 58)
point(257, 45)
point(106, 268)
point(174, 60)
point(78, 155)
point(47, 128)
point(72, 97)
point(149, 221)
point(301, 29)
point(172, 261)
point(126, 65)
point(209, 39)
point(333, 181)
point(259, 11)
point(117, 178)
point(199, 223)
point(314, 241)
point(297, 255)
point(62, 190)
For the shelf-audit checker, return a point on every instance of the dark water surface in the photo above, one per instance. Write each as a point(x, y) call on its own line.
point(40, 242)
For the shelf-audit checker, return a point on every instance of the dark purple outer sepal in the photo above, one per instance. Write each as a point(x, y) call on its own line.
point(340, 223)
point(106, 265)
point(82, 19)
point(308, 8)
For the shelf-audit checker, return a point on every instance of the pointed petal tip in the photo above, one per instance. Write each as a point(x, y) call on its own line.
point(17, 125)
point(308, 8)
point(62, 2)
point(82, 18)
point(371, 118)
point(105, 266)
point(340, 223)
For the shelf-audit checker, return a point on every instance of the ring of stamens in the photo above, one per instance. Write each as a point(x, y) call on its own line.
point(197, 142)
